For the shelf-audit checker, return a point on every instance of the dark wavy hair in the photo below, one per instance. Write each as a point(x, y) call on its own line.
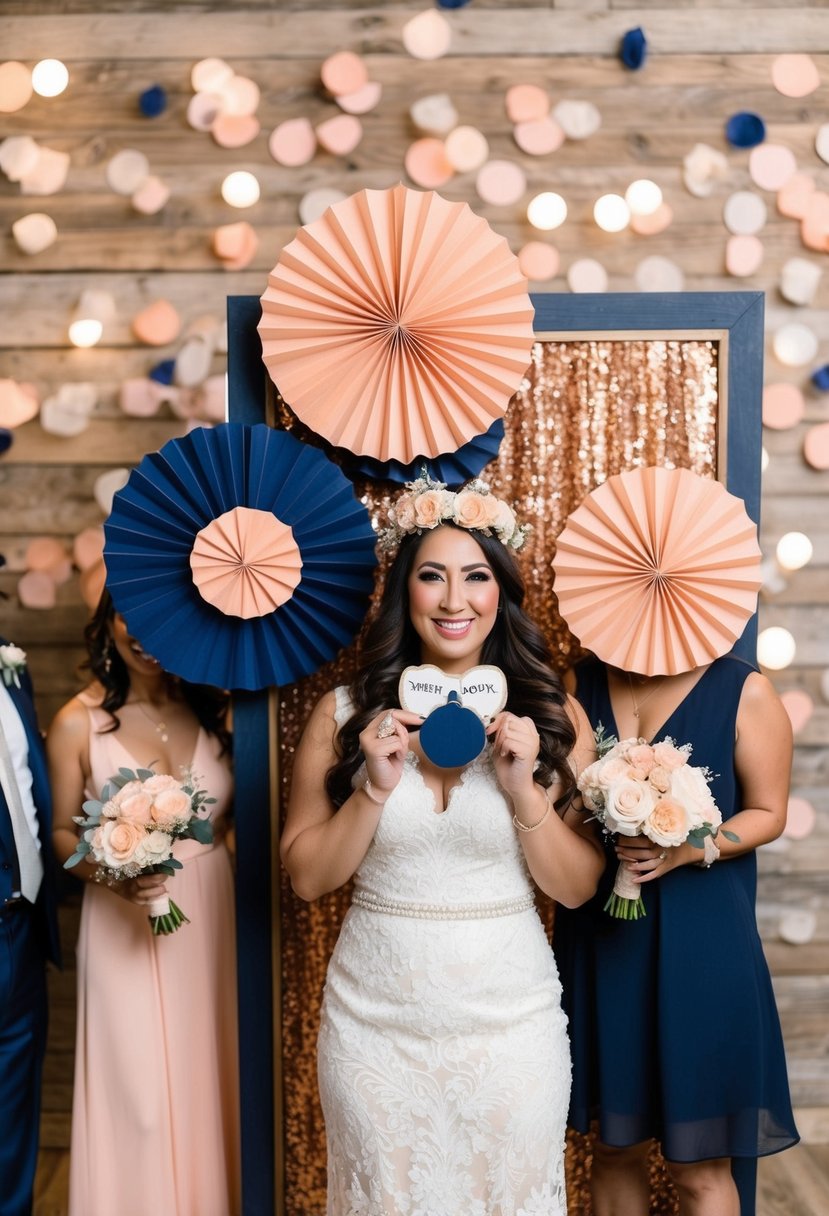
point(516, 645)
point(109, 669)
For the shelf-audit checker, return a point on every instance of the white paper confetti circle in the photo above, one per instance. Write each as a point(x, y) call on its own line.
point(799, 280)
point(577, 119)
point(795, 344)
point(659, 274)
point(427, 36)
point(587, 275)
point(316, 202)
point(127, 171)
point(744, 213)
point(822, 142)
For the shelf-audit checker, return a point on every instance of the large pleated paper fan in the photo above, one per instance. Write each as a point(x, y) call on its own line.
point(239, 557)
point(397, 325)
point(657, 571)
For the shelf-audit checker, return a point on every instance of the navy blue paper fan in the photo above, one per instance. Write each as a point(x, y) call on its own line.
point(176, 492)
point(452, 468)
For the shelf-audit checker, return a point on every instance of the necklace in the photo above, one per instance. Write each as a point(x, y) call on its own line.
point(160, 727)
point(637, 705)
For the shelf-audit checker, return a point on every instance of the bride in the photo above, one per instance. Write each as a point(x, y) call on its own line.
point(444, 1065)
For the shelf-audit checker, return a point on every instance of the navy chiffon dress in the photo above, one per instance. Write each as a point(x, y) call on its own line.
point(674, 1029)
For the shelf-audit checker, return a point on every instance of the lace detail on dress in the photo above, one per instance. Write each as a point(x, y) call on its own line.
point(443, 1057)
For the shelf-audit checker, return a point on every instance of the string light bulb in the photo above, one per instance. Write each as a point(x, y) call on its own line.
point(611, 213)
point(49, 77)
point(775, 648)
point(643, 197)
point(240, 189)
point(794, 550)
point(547, 211)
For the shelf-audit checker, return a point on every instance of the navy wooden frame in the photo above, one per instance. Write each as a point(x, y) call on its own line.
point(735, 321)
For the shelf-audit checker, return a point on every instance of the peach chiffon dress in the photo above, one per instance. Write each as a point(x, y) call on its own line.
point(155, 1116)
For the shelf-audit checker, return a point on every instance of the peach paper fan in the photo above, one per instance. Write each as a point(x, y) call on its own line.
point(657, 571)
point(397, 325)
point(246, 562)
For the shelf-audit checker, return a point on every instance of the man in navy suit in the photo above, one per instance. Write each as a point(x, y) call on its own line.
point(28, 929)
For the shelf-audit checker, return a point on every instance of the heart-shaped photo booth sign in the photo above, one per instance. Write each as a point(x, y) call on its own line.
point(456, 709)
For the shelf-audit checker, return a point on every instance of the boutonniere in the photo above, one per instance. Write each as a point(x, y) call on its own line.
point(12, 662)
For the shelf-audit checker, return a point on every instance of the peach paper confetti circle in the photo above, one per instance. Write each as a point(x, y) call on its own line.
point(814, 226)
point(427, 163)
point(19, 403)
point(361, 101)
point(587, 275)
point(500, 183)
point(151, 196)
point(246, 563)
point(36, 589)
point(466, 149)
point(340, 135)
point(235, 130)
point(293, 142)
point(771, 166)
point(743, 255)
point(526, 103)
point(344, 72)
point(800, 819)
point(799, 706)
point(793, 198)
point(795, 75)
point(240, 96)
point(783, 406)
point(15, 86)
point(34, 232)
point(427, 36)
point(538, 137)
point(157, 324)
point(538, 261)
point(816, 446)
point(210, 74)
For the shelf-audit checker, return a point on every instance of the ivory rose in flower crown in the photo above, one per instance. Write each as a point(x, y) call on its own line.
point(639, 789)
point(133, 828)
point(426, 504)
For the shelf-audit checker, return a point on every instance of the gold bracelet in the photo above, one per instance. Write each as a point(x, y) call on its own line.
point(368, 790)
point(522, 827)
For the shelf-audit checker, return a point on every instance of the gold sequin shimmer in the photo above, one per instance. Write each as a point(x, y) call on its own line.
point(587, 409)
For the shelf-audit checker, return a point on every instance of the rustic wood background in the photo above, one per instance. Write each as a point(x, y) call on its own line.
point(706, 61)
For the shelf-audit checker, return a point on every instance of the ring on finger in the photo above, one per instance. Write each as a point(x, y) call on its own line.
point(386, 727)
point(663, 854)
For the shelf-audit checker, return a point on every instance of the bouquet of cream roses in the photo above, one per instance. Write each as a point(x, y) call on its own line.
point(641, 789)
point(131, 831)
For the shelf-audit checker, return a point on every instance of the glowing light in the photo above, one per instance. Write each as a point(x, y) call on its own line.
point(775, 648)
point(240, 189)
point(547, 211)
point(643, 197)
point(49, 77)
point(86, 331)
point(611, 213)
point(764, 460)
point(794, 550)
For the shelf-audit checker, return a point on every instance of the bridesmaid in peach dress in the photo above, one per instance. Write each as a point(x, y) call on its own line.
point(155, 1118)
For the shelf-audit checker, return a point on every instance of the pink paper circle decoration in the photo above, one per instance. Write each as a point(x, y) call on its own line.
point(799, 706)
point(235, 130)
point(203, 109)
point(539, 137)
point(743, 255)
point(88, 547)
point(795, 75)
point(526, 103)
point(816, 446)
point(427, 163)
point(140, 397)
point(771, 166)
point(783, 406)
point(501, 183)
point(344, 72)
point(538, 261)
point(466, 149)
point(93, 581)
point(240, 96)
point(340, 135)
point(246, 563)
point(793, 197)
point(587, 275)
point(361, 101)
point(36, 589)
point(427, 36)
point(49, 174)
point(157, 324)
point(800, 819)
point(656, 221)
point(15, 86)
point(210, 74)
point(151, 196)
point(577, 119)
point(814, 226)
point(43, 552)
point(236, 244)
point(19, 403)
point(19, 155)
point(293, 142)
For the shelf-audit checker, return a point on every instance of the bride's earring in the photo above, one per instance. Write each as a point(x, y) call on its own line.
point(108, 658)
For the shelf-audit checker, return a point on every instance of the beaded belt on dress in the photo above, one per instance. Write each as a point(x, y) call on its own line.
point(401, 907)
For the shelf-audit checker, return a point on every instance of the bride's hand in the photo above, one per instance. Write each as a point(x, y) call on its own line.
point(385, 749)
point(515, 748)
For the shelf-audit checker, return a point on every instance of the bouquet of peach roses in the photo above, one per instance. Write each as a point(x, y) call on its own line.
point(131, 831)
point(641, 789)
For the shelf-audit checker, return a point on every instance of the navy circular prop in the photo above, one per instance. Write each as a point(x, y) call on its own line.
point(452, 736)
point(153, 101)
point(820, 379)
point(745, 130)
point(6, 439)
point(452, 468)
point(634, 49)
point(176, 492)
point(163, 372)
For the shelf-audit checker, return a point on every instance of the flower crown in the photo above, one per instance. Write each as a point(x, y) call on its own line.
point(428, 503)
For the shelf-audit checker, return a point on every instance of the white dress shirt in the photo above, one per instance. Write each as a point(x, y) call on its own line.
point(18, 745)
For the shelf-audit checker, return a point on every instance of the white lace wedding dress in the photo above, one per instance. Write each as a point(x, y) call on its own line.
point(444, 1064)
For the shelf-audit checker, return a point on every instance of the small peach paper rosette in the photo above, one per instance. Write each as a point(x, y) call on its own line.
point(657, 571)
point(397, 325)
point(246, 562)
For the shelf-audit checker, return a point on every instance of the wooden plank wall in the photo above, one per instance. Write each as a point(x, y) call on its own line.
point(706, 61)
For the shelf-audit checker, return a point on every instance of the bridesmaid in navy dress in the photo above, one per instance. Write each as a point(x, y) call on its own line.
point(675, 1035)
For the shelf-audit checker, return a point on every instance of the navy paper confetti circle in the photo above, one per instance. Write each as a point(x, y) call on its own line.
point(634, 49)
point(153, 101)
point(745, 130)
point(6, 439)
point(820, 378)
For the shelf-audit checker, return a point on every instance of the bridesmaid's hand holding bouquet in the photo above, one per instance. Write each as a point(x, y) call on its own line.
point(131, 831)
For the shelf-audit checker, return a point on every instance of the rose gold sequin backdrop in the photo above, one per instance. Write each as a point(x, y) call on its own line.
point(586, 410)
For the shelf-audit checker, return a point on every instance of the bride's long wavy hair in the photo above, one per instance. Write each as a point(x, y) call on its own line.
point(109, 669)
point(515, 644)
